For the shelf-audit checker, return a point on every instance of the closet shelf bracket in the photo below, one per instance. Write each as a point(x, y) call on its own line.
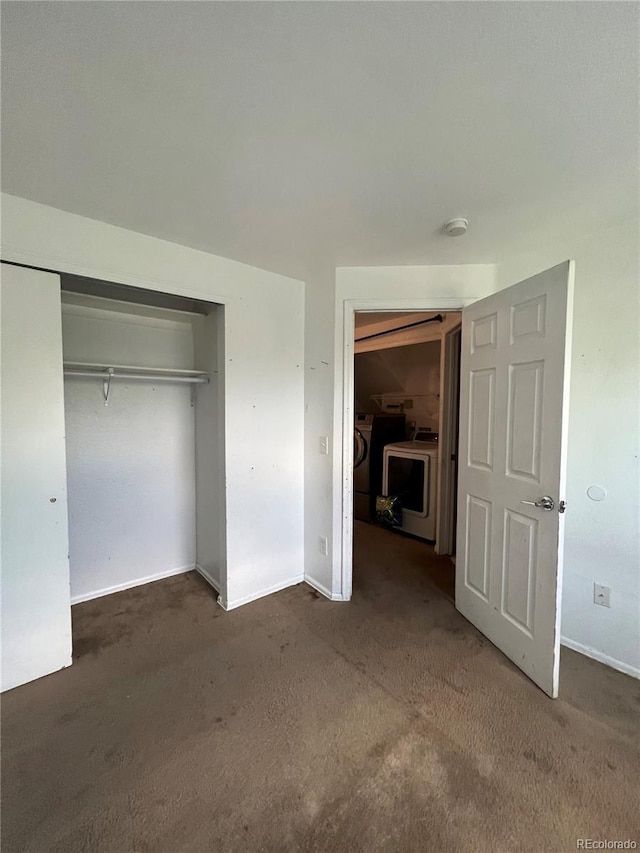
point(106, 384)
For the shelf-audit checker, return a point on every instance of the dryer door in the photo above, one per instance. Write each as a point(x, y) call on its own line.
point(407, 475)
point(360, 462)
point(359, 448)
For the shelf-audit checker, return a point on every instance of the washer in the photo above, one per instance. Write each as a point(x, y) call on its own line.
point(370, 435)
point(410, 470)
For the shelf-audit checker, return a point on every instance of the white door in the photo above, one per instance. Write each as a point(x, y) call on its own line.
point(513, 426)
point(36, 597)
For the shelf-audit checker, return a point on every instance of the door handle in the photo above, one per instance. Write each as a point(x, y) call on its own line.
point(547, 503)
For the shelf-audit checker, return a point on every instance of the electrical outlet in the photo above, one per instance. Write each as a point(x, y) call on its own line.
point(322, 543)
point(601, 595)
point(324, 444)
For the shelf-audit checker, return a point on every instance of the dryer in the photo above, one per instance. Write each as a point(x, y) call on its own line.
point(410, 470)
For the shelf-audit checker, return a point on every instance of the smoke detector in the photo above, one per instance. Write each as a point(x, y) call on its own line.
point(456, 227)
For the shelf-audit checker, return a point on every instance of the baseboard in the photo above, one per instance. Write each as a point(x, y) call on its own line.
point(238, 602)
point(321, 588)
point(633, 671)
point(89, 596)
point(205, 574)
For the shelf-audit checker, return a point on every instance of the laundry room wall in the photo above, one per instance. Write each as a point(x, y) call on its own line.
point(131, 463)
point(408, 376)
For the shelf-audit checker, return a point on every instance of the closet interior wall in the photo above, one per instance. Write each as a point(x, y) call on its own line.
point(211, 548)
point(134, 498)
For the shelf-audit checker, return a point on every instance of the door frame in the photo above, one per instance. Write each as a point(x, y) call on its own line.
point(448, 439)
point(344, 420)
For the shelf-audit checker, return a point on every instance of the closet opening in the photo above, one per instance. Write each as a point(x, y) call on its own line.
point(144, 413)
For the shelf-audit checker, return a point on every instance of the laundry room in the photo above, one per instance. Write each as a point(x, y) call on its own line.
point(406, 388)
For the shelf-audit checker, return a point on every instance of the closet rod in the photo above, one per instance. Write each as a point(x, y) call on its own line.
point(123, 374)
point(437, 319)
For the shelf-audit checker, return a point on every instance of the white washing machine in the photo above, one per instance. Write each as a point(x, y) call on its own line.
point(410, 470)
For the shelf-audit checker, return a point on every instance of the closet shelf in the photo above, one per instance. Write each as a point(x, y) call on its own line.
point(120, 371)
point(127, 371)
point(91, 369)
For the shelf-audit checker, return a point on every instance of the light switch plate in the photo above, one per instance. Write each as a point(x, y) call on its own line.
point(602, 595)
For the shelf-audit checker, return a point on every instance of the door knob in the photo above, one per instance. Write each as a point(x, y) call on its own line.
point(546, 503)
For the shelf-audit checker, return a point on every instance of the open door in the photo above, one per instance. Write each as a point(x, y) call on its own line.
point(512, 461)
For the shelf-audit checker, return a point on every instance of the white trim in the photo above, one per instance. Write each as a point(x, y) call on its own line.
point(344, 396)
point(449, 417)
point(231, 605)
point(564, 456)
point(214, 583)
point(322, 589)
point(120, 587)
point(594, 654)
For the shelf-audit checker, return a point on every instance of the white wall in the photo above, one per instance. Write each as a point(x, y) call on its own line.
point(130, 464)
point(36, 610)
point(601, 538)
point(318, 406)
point(264, 372)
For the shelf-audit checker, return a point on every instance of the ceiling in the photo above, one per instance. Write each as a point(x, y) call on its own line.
point(292, 135)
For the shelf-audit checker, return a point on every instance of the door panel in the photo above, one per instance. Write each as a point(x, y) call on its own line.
point(36, 597)
point(478, 533)
point(524, 420)
point(513, 413)
point(482, 418)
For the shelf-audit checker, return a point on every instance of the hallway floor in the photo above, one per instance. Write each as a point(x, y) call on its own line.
point(298, 724)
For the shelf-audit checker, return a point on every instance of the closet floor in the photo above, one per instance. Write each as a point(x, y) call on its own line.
point(298, 724)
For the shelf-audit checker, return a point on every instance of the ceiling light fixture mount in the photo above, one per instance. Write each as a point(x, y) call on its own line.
point(456, 227)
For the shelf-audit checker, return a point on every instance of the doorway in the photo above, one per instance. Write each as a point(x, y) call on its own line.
point(384, 310)
point(405, 367)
